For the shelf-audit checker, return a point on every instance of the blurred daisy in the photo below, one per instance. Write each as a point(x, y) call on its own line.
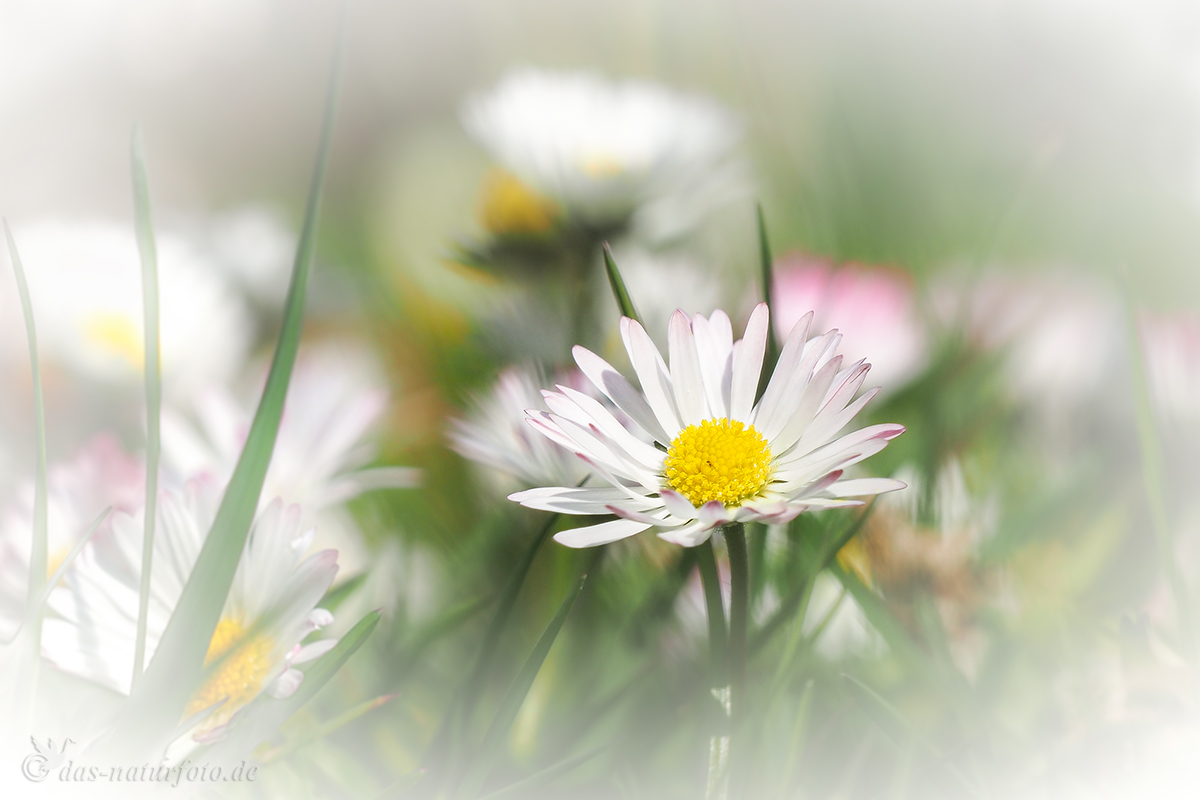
point(496, 434)
point(271, 606)
point(718, 457)
point(601, 151)
point(101, 476)
point(319, 462)
point(85, 280)
point(873, 307)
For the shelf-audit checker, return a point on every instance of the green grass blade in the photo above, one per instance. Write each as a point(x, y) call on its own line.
point(766, 267)
point(338, 594)
point(153, 384)
point(521, 789)
point(176, 669)
point(264, 716)
point(481, 765)
point(39, 552)
point(327, 728)
point(620, 293)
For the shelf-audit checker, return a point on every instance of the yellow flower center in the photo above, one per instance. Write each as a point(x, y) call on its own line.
point(117, 335)
point(719, 459)
point(242, 665)
point(509, 206)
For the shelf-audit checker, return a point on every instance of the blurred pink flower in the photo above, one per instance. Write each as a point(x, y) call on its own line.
point(1171, 349)
point(873, 308)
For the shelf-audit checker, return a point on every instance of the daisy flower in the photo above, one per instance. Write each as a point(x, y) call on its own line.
point(319, 462)
point(496, 435)
point(271, 605)
point(85, 280)
point(601, 150)
point(718, 457)
point(100, 476)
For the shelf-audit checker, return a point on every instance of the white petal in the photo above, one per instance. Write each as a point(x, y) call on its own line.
point(677, 504)
point(583, 500)
point(603, 533)
point(313, 651)
point(782, 378)
point(715, 366)
point(685, 372)
point(286, 684)
point(649, 455)
point(863, 487)
point(616, 388)
point(652, 374)
point(747, 364)
point(661, 519)
point(689, 536)
point(805, 410)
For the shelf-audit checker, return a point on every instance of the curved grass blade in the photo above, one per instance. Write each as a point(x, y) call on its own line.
point(481, 765)
point(39, 552)
point(521, 789)
point(153, 384)
point(158, 702)
point(620, 293)
point(264, 716)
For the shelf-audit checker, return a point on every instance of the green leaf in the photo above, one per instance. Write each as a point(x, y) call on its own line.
point(521, 789)
point(38, 553)
point(338, 594)
point(153, 385)
point(620, 293)
point(497, 732)
point(264, 716)
point(158, 701)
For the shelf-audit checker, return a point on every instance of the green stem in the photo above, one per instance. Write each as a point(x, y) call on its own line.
point(739, 613)
point(717, 639)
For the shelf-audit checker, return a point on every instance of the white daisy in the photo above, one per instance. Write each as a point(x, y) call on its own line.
point(100, 476)
point(605, 150)
point(271, 606)
point(334, 400)
point(85, 281)
point(718, 456)
point(497, 436)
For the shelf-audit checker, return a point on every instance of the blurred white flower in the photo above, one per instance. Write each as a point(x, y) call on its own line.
point(874, 308)
point(86, 286)
point(497, 434)
point(606, 151)
point(334, 400)
point(721, 457)
point(255, 247)
point(271, 605)
point(101, 476)
point(661, 284)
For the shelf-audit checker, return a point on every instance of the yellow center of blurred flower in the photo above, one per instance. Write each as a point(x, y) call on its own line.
point(510, 206)
point(241, 665)
point(117, 335)
point(719, 459)
point(55, 560)
point(602, 165)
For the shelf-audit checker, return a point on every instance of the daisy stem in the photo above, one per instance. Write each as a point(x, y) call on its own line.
point(739, 613)
point(717, 644)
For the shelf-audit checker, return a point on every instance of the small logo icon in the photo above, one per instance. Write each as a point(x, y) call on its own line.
point(40, 763)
